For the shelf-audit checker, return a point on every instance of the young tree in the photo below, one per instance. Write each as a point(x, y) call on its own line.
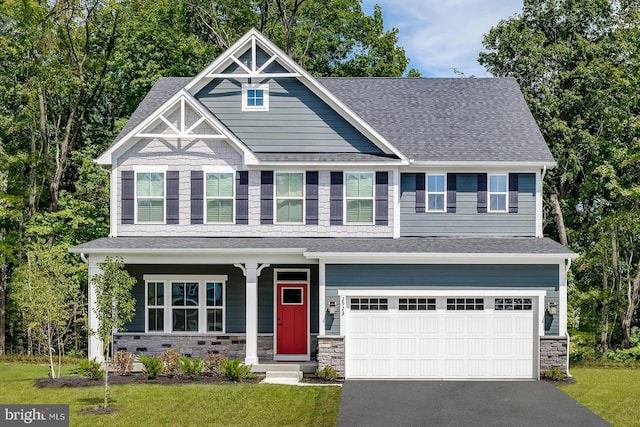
point(114, 306)
point(48, 299)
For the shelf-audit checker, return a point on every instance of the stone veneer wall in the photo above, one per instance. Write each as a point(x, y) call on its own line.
point(331, 352)
point(553, 352)
point(232, 346)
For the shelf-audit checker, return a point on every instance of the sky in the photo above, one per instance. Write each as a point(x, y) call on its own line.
point(442, 35)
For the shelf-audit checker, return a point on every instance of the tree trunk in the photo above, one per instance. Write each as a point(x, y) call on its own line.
point(50, 348)
point(562, 231)
point(634, 290)
point(3, 281)
point(604, 332)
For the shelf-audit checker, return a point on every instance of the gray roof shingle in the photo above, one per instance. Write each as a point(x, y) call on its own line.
point(427, 119)
point(415, 245)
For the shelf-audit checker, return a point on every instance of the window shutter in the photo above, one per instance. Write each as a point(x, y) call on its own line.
point(451, 192)
point(382, 198)
point(197, 197)
point(420, 195)
point(242, 197)
point(312, 198)
point(482, 193)
point(266, 197)
point(127, 197)
point(335, 199)
point(513, 193)
point(173, 197)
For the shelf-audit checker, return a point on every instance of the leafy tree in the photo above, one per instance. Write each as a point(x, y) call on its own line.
point(48, 299)
point(114, 306)
point(578, 65)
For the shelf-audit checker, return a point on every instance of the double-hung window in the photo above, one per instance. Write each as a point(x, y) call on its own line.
point(289, 197)
point(190, 304)
point(155, 306)
point(219, 194)
point(435, 193)
point(359, 196)
point(255, 97)
point(498, 193)
point(150, 197)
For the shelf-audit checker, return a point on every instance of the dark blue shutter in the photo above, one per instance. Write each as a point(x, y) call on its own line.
point(513, 193)
point(127, 197)
point(266, 197)
point(312, 198)
point(420, 186)
point(335, 199)
point(451, 192)
point(242, 197)
point(382, 198)
point(482, 193)
point(197, 197)
point(173, 197)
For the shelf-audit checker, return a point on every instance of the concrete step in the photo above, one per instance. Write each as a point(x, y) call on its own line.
point(282, 377)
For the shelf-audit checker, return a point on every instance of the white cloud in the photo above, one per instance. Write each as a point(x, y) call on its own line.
point(439, 36)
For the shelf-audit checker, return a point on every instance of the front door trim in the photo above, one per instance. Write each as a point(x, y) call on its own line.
point(291, 357)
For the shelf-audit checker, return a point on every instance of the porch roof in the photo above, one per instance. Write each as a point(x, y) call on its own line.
point(314, 246)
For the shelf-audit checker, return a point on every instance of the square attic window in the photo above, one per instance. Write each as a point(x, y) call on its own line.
point(255, 97)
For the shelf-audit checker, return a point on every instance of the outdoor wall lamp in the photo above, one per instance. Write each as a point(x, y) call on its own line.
point(552, 308)
point(332, 308)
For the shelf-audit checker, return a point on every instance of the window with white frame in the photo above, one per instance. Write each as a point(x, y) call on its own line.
point(150, 197)
point(219, 197)
point(289, 197)
point(497, 193)
point(435, 193)
point(359, 196)
point(255, 97)
point(192, 304)
point(155, 306)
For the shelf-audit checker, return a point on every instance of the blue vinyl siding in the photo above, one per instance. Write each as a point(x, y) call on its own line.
point(436, 277)
point(297, 120)
point(466, 220)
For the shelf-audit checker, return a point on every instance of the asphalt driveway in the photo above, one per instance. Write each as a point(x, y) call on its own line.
point(460, 403)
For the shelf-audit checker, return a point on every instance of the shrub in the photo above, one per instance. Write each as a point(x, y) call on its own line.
point(91, 369)
point(151, 366)
point(235, 371)
point(191, 368)
point(123, 362)
point(171, 363)
point(328, 373)
point(621, 355)
point(213, 364)
point(554, 374)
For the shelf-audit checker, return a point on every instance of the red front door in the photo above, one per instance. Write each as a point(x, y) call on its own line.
point(291, 319)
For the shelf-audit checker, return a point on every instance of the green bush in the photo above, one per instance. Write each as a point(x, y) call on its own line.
point(91, 369)
point(328, 373)
point(235, 371)
point(620, 355)
point(151, 366)
point(191, 368)
point(171, 363)
point(554, 374)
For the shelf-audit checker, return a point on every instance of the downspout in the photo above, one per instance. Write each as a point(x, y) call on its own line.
point(84, 258)
point(566, 276)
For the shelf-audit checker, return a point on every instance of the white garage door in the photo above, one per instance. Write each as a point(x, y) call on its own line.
point(441, 337)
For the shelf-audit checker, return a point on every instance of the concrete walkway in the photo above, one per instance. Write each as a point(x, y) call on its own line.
point(460, 403)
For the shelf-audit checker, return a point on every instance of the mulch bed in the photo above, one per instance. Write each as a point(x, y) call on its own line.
point(131, 379)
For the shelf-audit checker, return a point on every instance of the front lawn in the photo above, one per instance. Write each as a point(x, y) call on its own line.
point(612, 393)
point(189, 404)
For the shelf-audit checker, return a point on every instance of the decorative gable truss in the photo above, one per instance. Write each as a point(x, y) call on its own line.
point(181, 117)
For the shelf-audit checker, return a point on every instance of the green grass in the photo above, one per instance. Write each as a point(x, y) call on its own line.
point(178, 405)
point(612, 393)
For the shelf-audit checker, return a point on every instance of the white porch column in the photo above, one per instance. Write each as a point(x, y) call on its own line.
point(95, 346)
point(251, 272)
point(562, 299)
point(322, 310)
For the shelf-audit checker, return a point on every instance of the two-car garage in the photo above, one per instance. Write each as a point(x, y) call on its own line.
point(441, 335)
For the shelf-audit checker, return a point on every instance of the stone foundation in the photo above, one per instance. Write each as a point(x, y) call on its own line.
point(331, 352)
point(553, 352)
point(232, 346)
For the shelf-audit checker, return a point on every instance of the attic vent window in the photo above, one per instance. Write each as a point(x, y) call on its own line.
point(255, 97)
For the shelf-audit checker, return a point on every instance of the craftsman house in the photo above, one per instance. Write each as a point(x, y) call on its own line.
point(390, 227)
